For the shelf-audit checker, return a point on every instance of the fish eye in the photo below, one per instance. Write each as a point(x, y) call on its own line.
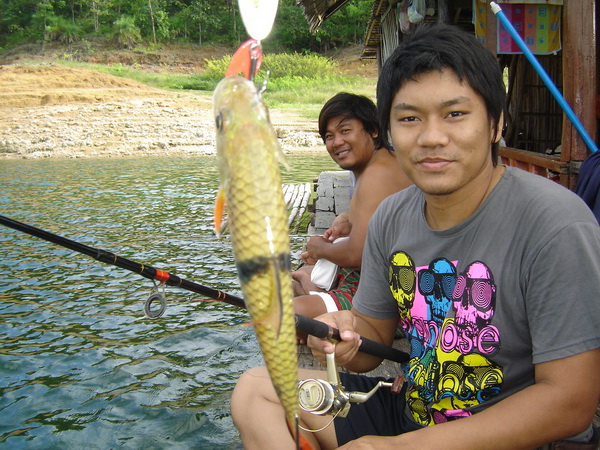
point(222, 120)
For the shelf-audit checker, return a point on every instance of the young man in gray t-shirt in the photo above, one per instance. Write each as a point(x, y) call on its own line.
point(492, 273)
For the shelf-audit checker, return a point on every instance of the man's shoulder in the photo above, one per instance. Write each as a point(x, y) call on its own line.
point(404, 198)
point(384, 170)
point(383, 160)
point(533, 195)
point(536, 187)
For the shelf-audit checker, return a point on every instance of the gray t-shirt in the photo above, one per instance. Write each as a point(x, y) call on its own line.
point(516, 284)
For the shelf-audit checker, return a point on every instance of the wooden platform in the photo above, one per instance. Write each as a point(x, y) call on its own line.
point(296, 198)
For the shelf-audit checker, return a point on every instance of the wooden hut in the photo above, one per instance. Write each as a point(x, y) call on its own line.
point(539, 137)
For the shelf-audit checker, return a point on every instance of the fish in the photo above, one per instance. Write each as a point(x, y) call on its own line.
point(249, 156)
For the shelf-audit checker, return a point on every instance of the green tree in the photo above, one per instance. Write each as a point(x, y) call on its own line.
point(201, 21)
point(126, 32)
point(98, 10)
point(200, 18)
point(213, 21)
point(347, 26)
point(290, 30)
point(16, 19)
point(62, 30)
point(43, 14)
point(152, 20)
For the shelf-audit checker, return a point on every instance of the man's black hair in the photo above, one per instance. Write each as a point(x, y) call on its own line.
point(438, 47)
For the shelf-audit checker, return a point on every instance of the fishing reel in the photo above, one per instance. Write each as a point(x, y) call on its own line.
point(329, 396)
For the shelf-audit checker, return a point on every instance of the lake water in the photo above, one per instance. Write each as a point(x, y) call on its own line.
point(80, 364)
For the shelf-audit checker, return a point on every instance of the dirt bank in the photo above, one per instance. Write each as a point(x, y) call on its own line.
point(50, 110)
point(56, 111)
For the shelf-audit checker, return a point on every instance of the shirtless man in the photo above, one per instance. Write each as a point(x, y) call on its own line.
point(350, 130)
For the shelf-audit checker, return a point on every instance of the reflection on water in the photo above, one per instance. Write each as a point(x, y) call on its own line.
point(80, 364)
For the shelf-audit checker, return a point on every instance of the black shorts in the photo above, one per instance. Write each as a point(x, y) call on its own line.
point(383, 414)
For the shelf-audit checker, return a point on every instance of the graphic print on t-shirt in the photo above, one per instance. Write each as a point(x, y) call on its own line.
point(446, 317)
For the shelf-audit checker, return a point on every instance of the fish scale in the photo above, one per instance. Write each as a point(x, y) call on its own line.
point(248, 151)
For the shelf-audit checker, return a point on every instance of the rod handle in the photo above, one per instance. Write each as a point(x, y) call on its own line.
point(323, 331)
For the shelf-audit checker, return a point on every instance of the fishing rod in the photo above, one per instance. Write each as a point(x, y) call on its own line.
point(303, 324)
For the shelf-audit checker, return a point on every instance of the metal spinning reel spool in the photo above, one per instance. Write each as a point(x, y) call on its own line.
point(329, 396)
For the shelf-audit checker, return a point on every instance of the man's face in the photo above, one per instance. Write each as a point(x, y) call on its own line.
point(348, 144)
point(442, 133)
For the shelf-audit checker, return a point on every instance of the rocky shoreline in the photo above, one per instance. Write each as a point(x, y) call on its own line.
point(51, 111)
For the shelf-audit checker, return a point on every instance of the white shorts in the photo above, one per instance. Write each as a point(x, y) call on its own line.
point(327, 299)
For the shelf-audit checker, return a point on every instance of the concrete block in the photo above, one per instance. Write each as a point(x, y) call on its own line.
point(325, 190)
point(324, 220)
point(343, 178)
point(325, 204)
point(342, 204)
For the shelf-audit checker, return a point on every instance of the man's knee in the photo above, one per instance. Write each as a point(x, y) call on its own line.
point(299, 278)
point(250, 381)
point(251, 387)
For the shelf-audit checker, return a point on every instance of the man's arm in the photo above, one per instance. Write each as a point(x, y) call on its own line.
point(340, 227)
point(560, 404)
point(374, 185)
point(346, 253)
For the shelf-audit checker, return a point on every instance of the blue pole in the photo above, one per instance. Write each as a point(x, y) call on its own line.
point(544, 76)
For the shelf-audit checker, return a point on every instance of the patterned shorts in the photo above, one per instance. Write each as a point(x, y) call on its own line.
point(346, 288)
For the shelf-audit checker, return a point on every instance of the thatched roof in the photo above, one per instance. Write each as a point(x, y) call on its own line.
point(316, 11)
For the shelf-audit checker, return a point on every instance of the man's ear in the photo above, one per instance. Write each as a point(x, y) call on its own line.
point(499, 129)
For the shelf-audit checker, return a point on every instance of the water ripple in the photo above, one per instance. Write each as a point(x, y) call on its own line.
point(80, 364)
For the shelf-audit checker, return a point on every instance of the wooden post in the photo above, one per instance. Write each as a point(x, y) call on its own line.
point(443, 11)
point(491, 34)
point(579, 75)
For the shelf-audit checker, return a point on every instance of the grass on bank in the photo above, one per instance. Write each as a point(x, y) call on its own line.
point(296, 81)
